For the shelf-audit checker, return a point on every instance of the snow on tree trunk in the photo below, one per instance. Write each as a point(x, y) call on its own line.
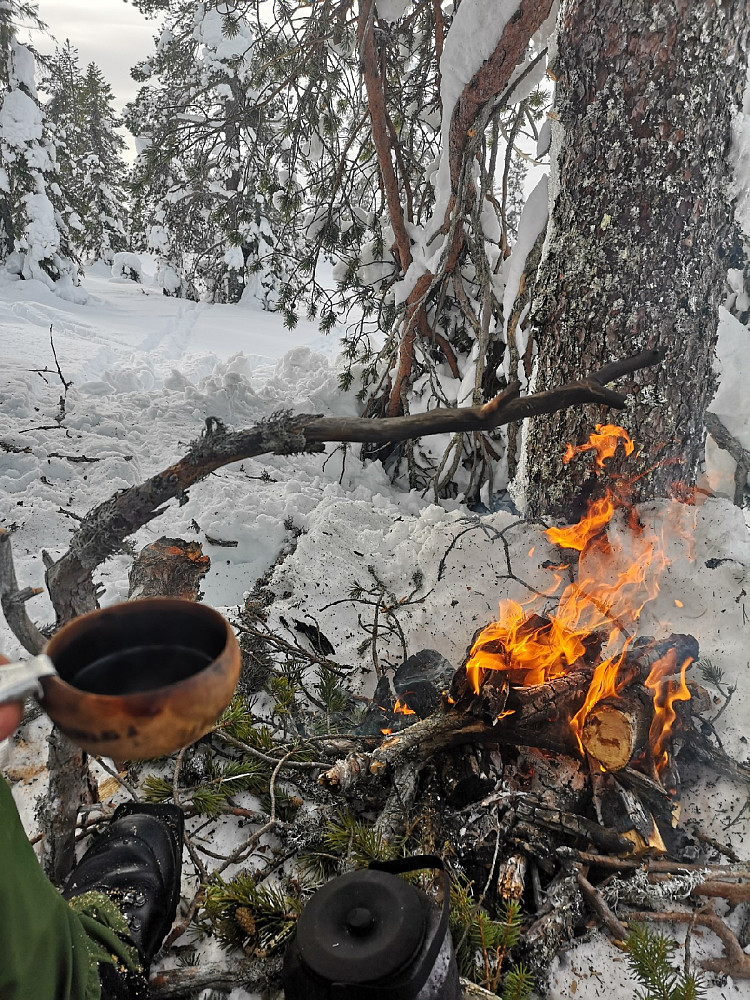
point(636, 256)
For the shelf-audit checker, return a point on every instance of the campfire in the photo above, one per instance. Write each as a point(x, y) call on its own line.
point(596, 620)
point(551, 754)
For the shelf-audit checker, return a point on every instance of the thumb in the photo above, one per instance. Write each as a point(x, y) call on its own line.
point(10, 713)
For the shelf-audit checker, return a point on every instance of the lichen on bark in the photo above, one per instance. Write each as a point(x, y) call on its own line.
point(640, 229)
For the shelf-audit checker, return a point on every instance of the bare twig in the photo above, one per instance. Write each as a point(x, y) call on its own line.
point(736, 963)
point(597, 903)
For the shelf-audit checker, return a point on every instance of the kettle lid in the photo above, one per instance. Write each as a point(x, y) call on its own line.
point(361, 927)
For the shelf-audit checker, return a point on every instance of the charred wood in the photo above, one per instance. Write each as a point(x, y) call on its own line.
point(620, 809)
point(465, 776)
point(554, 928)
point(169, 567)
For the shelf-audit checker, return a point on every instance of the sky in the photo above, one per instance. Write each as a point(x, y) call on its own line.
point(111, 33)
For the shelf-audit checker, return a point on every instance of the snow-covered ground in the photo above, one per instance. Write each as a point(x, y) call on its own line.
point(145, 372)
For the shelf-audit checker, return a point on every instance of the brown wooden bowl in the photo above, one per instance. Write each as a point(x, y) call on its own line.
point(141, 679)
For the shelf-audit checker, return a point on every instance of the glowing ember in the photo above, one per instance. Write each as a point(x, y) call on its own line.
point(619, 564)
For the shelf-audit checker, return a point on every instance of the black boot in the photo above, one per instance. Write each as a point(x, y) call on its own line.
point(137, 862)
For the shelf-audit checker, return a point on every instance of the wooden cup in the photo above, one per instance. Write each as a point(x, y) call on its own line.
point(141, 711)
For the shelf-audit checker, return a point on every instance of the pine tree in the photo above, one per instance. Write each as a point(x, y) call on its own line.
point(34, 238)
point(64, 111)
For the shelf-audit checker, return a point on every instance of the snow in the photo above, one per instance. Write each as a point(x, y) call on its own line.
point(740, 160)
point(731, 403)
point(20, 119)
point(146, 370)
point(532, 223)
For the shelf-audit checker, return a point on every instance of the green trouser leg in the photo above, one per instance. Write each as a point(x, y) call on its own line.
point(50, 950)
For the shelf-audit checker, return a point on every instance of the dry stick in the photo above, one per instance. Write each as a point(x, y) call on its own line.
point(651, 865)
point(186, 982)
point(601, 909)
point(12, 600)
point(118, 778)
point(741, 455)
point(736, 964)
point(104, 528)
point(292, 765)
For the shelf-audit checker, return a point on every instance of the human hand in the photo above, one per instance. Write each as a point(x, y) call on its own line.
point(11, 712)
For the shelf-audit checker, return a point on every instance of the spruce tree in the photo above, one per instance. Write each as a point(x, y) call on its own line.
point(62, 82)
point(92, 169)
point(104, 172)
point(34, 238)
point(201, 199)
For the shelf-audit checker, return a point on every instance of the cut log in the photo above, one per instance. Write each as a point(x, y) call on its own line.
point(169, 567)
point(616, 730)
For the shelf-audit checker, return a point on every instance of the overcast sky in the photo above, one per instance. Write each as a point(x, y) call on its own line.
point(111, 33)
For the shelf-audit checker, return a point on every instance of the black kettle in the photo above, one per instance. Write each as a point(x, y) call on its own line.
point(369, 935)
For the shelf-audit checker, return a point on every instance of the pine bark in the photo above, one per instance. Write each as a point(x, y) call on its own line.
point(640, 229)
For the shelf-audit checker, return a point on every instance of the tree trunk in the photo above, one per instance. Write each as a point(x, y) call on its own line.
point(640, 228)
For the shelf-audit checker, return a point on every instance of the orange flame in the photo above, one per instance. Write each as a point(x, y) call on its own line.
point(401, 708)
point(619, 564)
point(529, 654)
point(667, 689)
point(603, 442)
point(603, 685)
point(578, 536)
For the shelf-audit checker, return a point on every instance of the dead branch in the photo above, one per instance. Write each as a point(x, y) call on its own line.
point(741, 455)
point(70, 785)
point(189, 981)
point(104, 528)
point(12, 600)
point(599, 906)
point(736, 963)
point(490, 79)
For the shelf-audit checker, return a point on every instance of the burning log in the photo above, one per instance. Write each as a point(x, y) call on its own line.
point(615, 731)
point(536, 716)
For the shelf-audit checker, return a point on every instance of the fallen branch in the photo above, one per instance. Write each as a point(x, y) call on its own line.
point(189, 981)
point(13, 600)
point(736, 963)
point(727, 442)
point(599, 906)
point(104, 528)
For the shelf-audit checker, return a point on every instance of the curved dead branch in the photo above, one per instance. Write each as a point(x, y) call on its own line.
point(103, 530)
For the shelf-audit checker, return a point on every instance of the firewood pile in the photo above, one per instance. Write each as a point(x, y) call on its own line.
point(571, 827)
point(547, 767)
